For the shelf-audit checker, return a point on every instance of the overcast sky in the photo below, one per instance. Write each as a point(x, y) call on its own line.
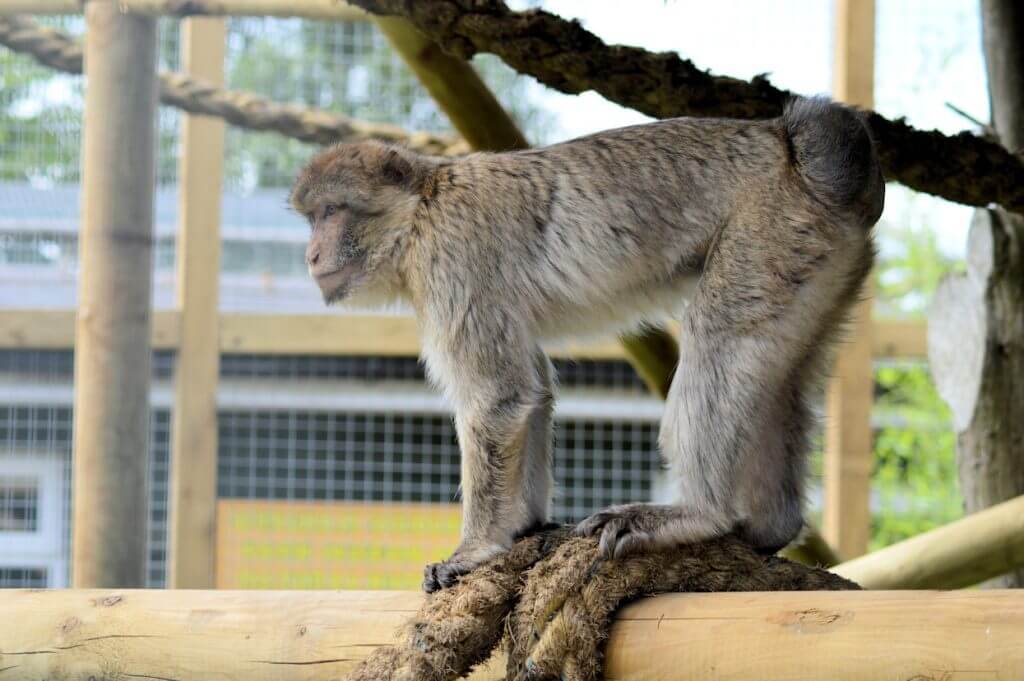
point(928, 53)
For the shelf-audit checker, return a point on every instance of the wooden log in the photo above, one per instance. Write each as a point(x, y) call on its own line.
point(975, 548)
point(300, 636)
point(112, 333)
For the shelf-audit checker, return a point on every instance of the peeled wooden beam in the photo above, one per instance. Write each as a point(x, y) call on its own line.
point(293, 636)
point(456, 87)
point(192, 516)
point(975, 548)
point(849, 446)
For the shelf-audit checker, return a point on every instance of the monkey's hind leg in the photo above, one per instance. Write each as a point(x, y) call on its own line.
point(754, 340)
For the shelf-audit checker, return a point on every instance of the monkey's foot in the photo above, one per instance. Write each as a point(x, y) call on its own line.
point(636, 528)
point(437, 576)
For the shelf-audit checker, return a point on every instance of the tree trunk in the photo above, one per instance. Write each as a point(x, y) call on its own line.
point(976, 336)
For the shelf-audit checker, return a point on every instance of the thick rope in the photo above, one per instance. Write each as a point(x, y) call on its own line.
point(56, 50)
point(565, 56)
point(552, 599)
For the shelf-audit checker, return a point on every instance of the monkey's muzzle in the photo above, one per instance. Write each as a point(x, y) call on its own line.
point(337, 283)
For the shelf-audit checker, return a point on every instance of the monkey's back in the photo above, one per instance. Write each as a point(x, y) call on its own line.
point(610, 229)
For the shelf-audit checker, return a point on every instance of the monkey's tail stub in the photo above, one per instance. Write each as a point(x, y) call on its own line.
point(832, 151)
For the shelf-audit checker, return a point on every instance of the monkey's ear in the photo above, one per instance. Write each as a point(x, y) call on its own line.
point(398, 170)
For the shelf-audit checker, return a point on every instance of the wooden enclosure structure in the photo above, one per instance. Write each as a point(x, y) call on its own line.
point(849, 448)
point(305, 635)
point(112, 355)
point(966, 552)
point(199, 332)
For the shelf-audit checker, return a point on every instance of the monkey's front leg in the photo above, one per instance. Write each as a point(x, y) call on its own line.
point(506, 474)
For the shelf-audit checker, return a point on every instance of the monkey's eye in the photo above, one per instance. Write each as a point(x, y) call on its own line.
point(332, 208)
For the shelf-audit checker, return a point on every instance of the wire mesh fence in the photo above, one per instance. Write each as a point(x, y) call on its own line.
point(277, 439)
point(297, 452)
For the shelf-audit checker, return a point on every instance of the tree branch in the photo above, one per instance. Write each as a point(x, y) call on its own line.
point(563, 55)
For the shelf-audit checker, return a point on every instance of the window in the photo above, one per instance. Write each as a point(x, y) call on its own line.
point(19, 504)
point(23, 577)
point(32, 521)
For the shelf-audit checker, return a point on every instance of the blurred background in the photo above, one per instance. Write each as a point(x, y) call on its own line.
point(337, 466)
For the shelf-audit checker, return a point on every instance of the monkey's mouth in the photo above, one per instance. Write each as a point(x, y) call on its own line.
point(337, 284)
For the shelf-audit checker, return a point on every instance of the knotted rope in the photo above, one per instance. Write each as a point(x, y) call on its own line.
point(551, 599)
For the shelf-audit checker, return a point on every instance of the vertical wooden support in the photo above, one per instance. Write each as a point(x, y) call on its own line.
point(848, 439)
point(112, 330)
point(193, 489)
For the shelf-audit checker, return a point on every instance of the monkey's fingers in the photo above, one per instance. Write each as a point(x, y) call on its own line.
point(630, 529)
point(437, 576)
point(466, 558)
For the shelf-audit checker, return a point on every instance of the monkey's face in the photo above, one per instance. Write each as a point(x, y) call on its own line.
point(335, 259)
point(358, 201)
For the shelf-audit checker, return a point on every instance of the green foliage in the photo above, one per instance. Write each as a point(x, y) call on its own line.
point(905, 281)
point(915, 480)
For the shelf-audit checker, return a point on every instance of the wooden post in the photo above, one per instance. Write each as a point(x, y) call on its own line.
point(193, 492)
point(302, 635)
point(112, 331)
point(849, 451)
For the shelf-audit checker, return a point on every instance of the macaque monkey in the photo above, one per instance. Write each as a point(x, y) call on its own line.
point(756, 232)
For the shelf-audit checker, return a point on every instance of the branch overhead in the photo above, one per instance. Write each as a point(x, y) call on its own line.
point(563, 55)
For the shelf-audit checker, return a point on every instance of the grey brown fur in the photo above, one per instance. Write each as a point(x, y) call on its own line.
point(762, 226)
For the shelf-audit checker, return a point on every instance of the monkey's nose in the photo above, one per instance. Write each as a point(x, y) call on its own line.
point(313, 257)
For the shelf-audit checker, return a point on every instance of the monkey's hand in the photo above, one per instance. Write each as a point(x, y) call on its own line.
point(468, 557)
point(637, 528)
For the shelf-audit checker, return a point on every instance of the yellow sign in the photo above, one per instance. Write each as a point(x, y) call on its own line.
point(330, 545)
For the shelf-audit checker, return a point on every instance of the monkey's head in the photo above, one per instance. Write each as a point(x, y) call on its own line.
point(359, 200)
